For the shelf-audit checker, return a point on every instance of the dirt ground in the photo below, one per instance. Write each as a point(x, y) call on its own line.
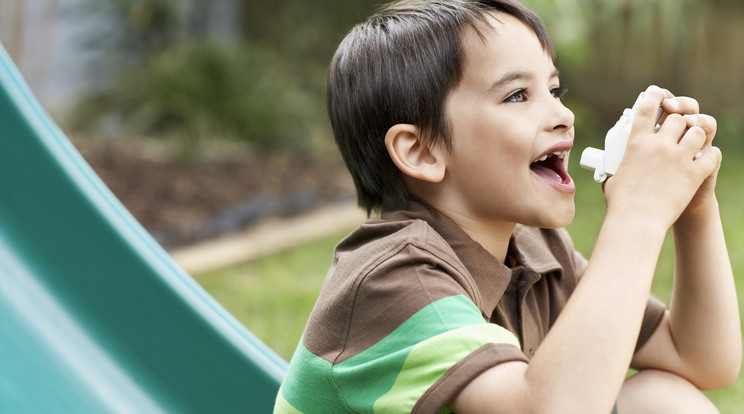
point(182, 201)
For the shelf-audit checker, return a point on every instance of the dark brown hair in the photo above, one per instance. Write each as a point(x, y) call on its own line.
point(398, 67)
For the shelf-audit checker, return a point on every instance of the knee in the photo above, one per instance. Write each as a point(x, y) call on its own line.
point(653, 391)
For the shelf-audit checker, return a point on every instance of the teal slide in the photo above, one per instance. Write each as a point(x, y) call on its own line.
point(95, 317)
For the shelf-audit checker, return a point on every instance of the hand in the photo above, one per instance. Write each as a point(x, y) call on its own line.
point(705, 197)
point(660, 173)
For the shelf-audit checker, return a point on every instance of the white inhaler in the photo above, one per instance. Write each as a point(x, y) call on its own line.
point(605, 163)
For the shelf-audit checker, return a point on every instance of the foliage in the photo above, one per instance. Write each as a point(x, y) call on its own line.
point(130, 30)
point(166, 79)
point(200, 90)
point(164, 82)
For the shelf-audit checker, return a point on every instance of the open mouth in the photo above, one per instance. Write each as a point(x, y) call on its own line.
point(550, 167)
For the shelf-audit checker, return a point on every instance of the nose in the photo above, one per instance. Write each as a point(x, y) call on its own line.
point(562, 118)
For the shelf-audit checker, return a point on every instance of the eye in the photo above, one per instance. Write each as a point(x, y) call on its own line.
point(558, 92)
point(520, 95)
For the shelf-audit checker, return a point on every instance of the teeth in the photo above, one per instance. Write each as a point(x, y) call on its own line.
point(559, 154)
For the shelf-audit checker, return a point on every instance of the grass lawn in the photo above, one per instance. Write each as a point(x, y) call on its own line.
point(274, 296)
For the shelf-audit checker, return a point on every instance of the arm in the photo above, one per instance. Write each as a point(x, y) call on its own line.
point(700, 337)
point(581, 364)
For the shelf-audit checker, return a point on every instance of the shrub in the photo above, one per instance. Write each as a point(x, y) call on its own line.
point(202, 90)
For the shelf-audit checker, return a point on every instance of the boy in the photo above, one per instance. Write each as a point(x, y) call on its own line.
point(466, 296)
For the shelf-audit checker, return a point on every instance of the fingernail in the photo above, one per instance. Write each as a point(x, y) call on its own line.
point(691, 119)
point(699, 154)
point(674, 104)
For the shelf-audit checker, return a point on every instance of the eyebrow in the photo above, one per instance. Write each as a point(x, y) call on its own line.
point(517, 75)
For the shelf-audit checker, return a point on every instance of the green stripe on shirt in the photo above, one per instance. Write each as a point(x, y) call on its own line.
point(282, 406)
point(365, 377)
point(307, 387)
point(398, 369)
point(431, 359)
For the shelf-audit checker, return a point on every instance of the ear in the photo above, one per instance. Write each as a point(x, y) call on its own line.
point(412, 156)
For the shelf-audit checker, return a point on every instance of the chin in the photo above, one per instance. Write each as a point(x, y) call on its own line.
point(558, 219)
point(548, 222)
point(558, 225)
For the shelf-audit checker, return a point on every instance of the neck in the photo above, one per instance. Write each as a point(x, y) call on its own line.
point(492, 235)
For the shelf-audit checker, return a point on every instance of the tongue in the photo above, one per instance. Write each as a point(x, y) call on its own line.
point(551, 169)
point(547, 173)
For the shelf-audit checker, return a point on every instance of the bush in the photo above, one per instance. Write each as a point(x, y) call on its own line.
point(201, 90)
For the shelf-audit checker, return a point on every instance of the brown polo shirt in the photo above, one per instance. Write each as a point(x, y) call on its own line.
point(413, 309)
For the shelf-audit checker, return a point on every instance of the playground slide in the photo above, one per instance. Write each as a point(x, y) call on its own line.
point(95, 317)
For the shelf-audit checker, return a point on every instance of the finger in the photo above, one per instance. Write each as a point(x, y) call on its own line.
point(706, 122)
point(673, 127)
point(681, 105)
point(693, 141)
point(708, 159)
point(648, 109)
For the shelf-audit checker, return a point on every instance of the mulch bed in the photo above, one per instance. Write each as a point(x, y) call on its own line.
point(182, 202)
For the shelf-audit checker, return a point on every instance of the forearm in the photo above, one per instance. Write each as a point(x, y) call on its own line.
point(704, 313)
point(592, 342)
point(581, 364)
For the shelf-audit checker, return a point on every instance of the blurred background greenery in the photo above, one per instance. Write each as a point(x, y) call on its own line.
point(167, 70)
point(170, 76)
point(200, 70)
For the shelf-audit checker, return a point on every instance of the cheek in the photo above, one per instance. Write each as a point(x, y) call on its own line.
point(487, 133)
point(506, 142)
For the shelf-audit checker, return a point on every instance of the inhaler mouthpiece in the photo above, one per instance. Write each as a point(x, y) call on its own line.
point(593, 159)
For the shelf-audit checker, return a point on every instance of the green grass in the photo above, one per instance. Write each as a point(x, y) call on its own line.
point(273, 296)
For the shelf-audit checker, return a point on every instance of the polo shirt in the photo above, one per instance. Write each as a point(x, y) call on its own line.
point(413, 309)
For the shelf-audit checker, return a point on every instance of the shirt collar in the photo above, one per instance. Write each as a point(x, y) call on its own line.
point(491, 277)
point(530, 248)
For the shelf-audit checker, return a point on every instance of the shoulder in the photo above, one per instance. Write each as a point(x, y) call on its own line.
point(377, 240)
point(382, 273)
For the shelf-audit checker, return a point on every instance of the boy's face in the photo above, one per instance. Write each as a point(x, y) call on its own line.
point(505, 117)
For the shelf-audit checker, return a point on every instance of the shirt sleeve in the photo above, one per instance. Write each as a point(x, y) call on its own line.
point(655, 310)
point(420, 363)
